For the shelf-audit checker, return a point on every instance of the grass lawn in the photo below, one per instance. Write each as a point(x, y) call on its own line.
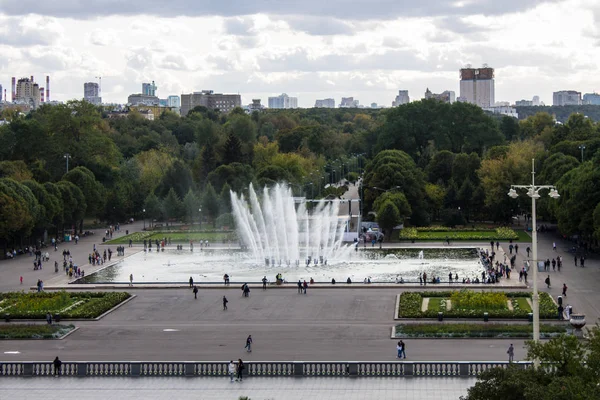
point(523, 304)
point(31, 331)
point(523, 236)
point(436, 234)
point(471, 330)
point(434, 304)
point(176, 237)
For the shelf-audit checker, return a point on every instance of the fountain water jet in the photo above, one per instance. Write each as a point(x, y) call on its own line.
point(274, 229)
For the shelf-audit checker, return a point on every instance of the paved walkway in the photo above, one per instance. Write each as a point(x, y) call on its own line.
point(220, 388)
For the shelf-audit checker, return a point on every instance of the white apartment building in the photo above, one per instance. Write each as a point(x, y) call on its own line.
point(283, 101)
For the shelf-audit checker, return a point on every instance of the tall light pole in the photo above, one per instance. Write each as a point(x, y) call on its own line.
point(144, 210)
point(67, 156)
point(200, 219)
point(533, 192)
point(582, 148)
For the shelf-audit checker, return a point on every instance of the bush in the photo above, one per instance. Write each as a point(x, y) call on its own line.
point(31, 331)
point(476, 330)
point(37, 305)
point(467, 299)
point(411, 302)
point(440, 233)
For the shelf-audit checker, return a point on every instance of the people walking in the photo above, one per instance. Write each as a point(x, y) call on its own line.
point(231, 370)
point(130, 279)
point(516, 248)
point(299, 286)
point(195, 290)
point(564, 292)
point(240, 370)
point(264, 282)
point(403, 345)
point(57, 366)
point(548, 281)
point(191, 282)
point(575, 259)
point(554, 246)
point(248, 346)
point(225, 301)
point(304, 286)
point(528, 250)
point(581, 261)
point(399, 349)
point(511, 353)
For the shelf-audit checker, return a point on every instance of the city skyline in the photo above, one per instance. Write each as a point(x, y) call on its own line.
point(310, 51)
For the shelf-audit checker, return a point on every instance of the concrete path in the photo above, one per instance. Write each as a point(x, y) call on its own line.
point(221, 388)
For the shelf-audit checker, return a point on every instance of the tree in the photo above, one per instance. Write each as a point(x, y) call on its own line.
point(153, 208)
point(225, 200)
point(440, 167)
point(509, 127)
point(573, 373)
point(233, 150)
point(210, 203)
point(92, 190)
point(399, 200)
point(191, 204)
point(388, 216)
point(172, 206)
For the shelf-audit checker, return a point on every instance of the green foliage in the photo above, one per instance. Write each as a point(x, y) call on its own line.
point(473, 305)
point(569, 371)
point(34, 331)
point(172, 206)
point(388, 216)
point(472, 330)
point(443, 233)
point(86, 305)
point(210, 203)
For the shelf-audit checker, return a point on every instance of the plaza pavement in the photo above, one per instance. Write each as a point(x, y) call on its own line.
point(94, 388)
point(326, 324)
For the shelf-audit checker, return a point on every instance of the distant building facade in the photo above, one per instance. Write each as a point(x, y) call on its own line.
point(283, 101)
point(523, 103)
point(477, 86)
point(149, 89)
point(325, 103)
point(503, 110)
point(91, 93)
point(349, 102)
point(173, 101)
point(588, 98)
point(142, 99)
point(402, 98)
point(566, 98)
point(28, 92)
point(209, 99)
point(447, 96)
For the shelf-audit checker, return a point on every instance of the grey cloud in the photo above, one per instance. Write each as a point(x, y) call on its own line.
point(15, 33)
point(457, 25)
point(320, 26)
point(393, 42)
point(299, 60)
point(239, 26)
point(341, 9)
point(139, 58)
point(173, 61)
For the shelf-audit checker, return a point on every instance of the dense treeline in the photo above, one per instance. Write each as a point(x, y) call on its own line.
point(424, 161)
point(561, 113)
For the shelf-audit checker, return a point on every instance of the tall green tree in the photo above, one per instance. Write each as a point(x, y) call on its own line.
point(210, 203)
point(172, 207)
point(191, 205)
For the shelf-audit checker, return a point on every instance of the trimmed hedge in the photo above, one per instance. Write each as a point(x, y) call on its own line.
point(36, 305)
point(410, 306)
point(31, 331)
point(440, 234)
point(476, 331)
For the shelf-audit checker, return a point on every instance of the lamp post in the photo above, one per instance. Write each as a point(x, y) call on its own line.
point(533, 192)
point(582, 148)
point(67, 156)
point(199, 219)
point(144, 211)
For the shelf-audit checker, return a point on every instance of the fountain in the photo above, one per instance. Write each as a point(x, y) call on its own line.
point(275, 229)
point(421, 255)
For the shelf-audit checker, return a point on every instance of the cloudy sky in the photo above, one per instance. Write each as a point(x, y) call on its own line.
point(311, 49)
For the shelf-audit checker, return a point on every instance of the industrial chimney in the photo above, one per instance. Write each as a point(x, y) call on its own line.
point(41, 94)
point(47, 88)
point(32, 79)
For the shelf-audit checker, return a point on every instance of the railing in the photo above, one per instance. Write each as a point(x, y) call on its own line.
point(256, 368)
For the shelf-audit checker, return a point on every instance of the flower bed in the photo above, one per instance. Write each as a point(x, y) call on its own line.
point(476, 331)
point(30, 331)
point(438, 234)
point(175, 236)
point(69, 305)
point(410, 305)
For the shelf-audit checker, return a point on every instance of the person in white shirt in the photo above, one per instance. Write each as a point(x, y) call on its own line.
point(231, 370)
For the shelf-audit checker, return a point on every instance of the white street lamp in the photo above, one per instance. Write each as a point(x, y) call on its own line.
point(533, 192)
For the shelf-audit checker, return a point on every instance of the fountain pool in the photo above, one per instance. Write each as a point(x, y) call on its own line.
point(209, 265)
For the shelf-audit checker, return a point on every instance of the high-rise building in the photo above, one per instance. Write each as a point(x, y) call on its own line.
point(1, 94)
point(174, 101)
point(325, 103)
point(28, 92)
point(349, 102)
point(209, 99)
point(149, 89)
point(477, 86)
point(447, 96)
point(588, 98)
point(535, 101)
point(91, 93)
point(283, 101)
point(402, 98)
point(566, 98)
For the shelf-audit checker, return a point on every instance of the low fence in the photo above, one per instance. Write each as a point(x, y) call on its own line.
point(255, 368)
